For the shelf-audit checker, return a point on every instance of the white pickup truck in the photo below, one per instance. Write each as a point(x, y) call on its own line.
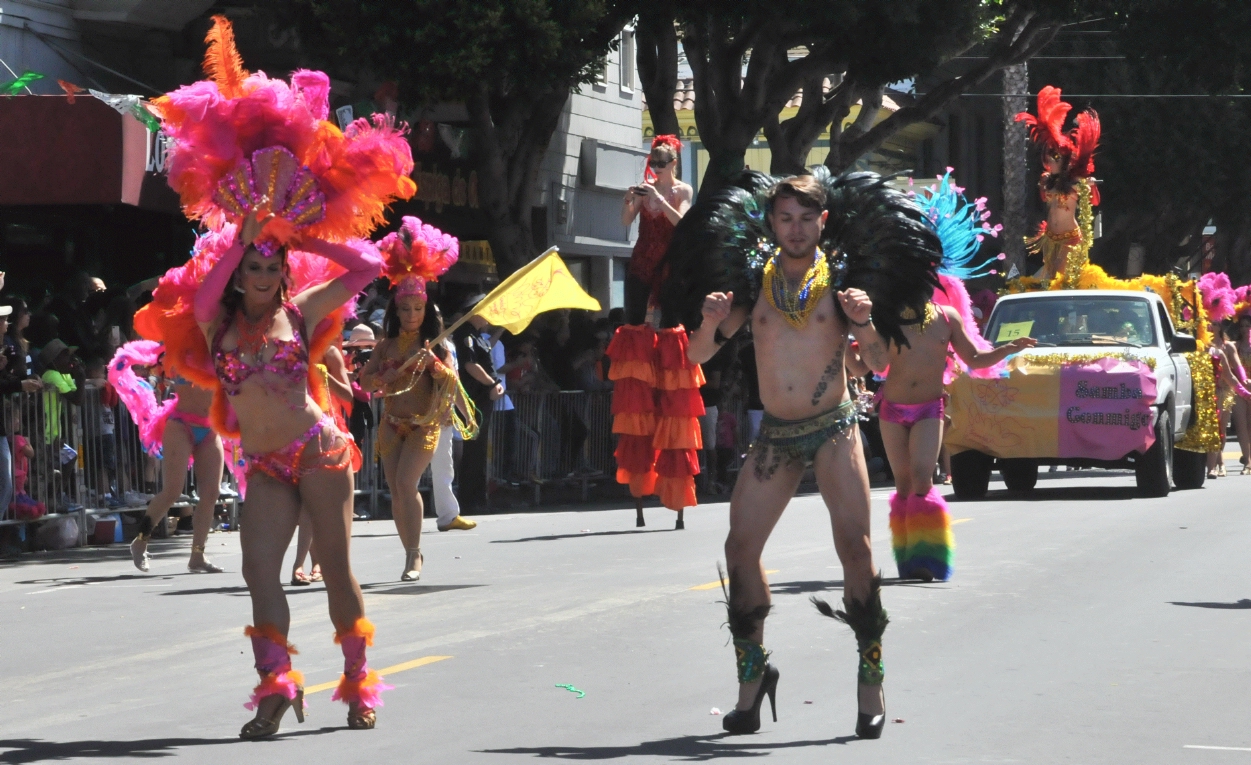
point(1081, 324)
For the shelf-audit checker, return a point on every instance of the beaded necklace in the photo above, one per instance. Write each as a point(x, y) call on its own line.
point(253, 336)
point(796, 306)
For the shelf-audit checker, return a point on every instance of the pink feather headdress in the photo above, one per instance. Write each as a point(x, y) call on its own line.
point(1219, 298)
point(243, 142)
point(416, 254)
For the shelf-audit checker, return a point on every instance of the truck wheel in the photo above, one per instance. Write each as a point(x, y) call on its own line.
point(970, 474)
point(1190, 469)
point(1019, 474)
point(1155, 469)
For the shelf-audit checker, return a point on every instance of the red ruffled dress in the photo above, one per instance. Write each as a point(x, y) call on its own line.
point(655, 402)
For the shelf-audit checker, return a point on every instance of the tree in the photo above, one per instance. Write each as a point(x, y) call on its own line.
point(512, 63)
point(1168, 166)
point(750, 57)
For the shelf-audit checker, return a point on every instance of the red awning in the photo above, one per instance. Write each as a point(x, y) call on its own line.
point(56, 153)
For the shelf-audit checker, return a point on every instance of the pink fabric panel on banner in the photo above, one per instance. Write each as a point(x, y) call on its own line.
point(1106, 409)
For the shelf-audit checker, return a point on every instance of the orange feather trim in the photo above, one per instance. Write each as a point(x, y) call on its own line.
point(363, 628)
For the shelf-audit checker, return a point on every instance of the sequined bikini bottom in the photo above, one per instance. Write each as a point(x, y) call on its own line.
point(331, 450)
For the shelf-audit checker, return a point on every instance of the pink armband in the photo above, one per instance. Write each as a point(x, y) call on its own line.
point(208, 296)
point(360, 258)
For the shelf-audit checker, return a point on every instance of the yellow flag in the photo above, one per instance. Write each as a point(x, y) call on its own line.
point(544, 284)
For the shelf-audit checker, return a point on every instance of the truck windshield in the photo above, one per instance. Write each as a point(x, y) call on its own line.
point(1074, 320)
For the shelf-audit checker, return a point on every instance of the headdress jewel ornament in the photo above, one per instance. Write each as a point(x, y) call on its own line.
point(416, 254)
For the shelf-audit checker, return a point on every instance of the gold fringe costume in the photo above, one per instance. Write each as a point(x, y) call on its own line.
point(436, 393)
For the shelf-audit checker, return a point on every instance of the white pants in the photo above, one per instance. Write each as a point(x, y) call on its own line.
point(442, 473)
point(754, 416)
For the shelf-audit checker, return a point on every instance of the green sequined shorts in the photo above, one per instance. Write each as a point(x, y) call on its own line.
point(797, 441)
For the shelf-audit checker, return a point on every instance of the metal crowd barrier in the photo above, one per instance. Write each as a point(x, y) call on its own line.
point(562, 437)
point(79, 468)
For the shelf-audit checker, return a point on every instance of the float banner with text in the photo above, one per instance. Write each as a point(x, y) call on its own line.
point(1098, 409)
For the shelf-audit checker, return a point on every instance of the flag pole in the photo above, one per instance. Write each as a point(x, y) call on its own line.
point(510, 281)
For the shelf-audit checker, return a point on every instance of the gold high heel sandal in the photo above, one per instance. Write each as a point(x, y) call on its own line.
point(412, 567)
point(203, 567)
point(262, 727)
point(358, 720)
point(139, 545)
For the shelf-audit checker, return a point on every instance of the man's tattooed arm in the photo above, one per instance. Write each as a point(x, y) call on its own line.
point(874, 354)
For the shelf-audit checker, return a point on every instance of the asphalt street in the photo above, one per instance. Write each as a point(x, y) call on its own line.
point(1083, 625)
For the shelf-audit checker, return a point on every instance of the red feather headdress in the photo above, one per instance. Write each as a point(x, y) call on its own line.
point(1077, 145)
point(241, 141)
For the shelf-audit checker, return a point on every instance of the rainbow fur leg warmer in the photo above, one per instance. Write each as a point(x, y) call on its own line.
point(899, 533)
point(273, 664)
point(931, 543)
point(359, 684)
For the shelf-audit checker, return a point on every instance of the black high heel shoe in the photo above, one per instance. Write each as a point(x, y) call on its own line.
point(870, 726)
point(748, 720)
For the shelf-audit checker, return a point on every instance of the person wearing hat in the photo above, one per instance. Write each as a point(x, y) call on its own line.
point(358, 347)
point(12, 380)
point(64, 379)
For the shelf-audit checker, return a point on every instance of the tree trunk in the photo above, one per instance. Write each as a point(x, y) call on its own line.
point(733, 105)
point(514, 135)
point(657, 41)
point(1015, 168)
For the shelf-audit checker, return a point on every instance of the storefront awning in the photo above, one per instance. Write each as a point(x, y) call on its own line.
point(57, 153)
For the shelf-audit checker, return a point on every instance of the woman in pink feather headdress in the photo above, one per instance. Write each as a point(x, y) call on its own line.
point(421, 390)
point(1223, 303)
point(256, 161)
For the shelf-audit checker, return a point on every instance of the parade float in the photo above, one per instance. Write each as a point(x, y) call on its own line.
point(1121, 376)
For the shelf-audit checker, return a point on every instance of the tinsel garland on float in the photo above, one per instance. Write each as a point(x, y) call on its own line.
point(1185, 307)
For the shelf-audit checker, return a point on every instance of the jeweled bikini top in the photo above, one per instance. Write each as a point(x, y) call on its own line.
point(289, 362)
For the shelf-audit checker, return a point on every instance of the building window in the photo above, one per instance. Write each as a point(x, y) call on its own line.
point(625, 59)
point(601, 77)
point(616, 296)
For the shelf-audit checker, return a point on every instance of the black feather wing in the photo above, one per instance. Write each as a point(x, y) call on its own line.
point(889, 251)
point(715, 248)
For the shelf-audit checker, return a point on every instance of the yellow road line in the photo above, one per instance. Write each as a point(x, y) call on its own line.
point(716, 584)
point(960, 520)
point(1231, 455)
point(414, 664)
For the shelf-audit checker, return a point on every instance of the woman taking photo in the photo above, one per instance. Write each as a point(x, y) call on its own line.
point(421, 389)
point(280, 189)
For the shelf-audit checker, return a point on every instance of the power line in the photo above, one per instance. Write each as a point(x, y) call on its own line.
point(1112, 95)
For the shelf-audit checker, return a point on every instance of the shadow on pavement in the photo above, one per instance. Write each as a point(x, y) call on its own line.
point(554, 537)
point(1239, 605)
point(415, 589)
point(78, 581)
point(804, 588)
point(385, 588)
point(688, 748)
point(1056, 494)
point(26, 750)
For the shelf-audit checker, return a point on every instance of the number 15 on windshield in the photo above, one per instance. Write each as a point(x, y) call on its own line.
point(1013, 331)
